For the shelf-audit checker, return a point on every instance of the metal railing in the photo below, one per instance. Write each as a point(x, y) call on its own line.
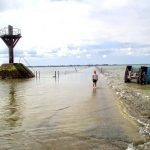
point(5, 31)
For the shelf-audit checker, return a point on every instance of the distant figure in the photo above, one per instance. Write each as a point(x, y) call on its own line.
point(94, 78)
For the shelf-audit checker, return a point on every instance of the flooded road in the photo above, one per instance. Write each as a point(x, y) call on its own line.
point(63, 114)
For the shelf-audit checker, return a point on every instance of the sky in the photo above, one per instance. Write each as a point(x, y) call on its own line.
point(68, 32)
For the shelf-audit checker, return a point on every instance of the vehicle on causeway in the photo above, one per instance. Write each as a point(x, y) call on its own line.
point(136, 74)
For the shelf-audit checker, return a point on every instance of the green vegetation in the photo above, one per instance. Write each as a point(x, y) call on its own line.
point(8, 67)
point(15, 70)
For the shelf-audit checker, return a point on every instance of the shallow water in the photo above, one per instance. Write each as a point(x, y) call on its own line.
point(62, 113)
point(116, 74)
point(135, 96)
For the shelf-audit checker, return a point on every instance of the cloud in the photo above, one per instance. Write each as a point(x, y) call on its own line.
point(70, 52)
point(88, 55)
point(78, 28)
point(60, 0)
point(104, 56)
point(7, 4)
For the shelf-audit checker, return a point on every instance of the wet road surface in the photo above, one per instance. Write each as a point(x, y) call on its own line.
point(67, 114)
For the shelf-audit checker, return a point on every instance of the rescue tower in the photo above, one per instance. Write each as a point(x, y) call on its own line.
point(10, 36)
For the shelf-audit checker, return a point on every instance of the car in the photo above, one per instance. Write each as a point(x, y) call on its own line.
point(140, 74)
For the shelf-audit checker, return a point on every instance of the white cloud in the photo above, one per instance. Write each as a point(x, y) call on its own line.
point(104, 56)
point(63, 52)
point(48, 25)
point(113, 4)
point(88, 55)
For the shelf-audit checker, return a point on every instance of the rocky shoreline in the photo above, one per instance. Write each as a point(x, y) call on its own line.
point(134, 103)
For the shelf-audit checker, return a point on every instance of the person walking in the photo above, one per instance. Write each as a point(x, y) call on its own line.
point(94, 78)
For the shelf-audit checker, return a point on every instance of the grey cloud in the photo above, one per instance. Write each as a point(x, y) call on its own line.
point(133, 18)
point(114, 48)
point(64, 0)
point(57, 0)
point(21, 53)
point(3, 51)
point(18, 53)
point(112, 45)
point(106, 51)
point(33, 53)
point(54, 51)
point(18, 4)
point(9, 4)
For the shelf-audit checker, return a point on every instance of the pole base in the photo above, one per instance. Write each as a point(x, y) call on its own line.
point(15, 71)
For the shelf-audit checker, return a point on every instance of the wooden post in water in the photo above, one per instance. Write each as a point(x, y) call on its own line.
point(58, 73)
point(55, 74)
point(36, 74)
point(39, 74)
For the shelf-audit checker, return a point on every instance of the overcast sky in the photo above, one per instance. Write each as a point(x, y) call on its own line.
point(56, 32)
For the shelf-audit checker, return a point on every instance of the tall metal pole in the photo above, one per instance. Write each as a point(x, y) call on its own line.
point(11, 53)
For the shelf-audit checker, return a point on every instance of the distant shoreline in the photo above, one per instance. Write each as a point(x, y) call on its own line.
point(89, 65)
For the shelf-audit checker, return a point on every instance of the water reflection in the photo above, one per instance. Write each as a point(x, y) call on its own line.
point(57, 79)
point(13, 107)
point(69, 114)
point(94, 92)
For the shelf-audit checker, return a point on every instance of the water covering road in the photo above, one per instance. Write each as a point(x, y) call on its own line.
point(63, 114)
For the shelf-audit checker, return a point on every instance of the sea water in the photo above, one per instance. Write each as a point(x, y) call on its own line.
point(58, 113)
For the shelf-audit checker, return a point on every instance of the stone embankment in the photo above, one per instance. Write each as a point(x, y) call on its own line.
point(15, 71)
